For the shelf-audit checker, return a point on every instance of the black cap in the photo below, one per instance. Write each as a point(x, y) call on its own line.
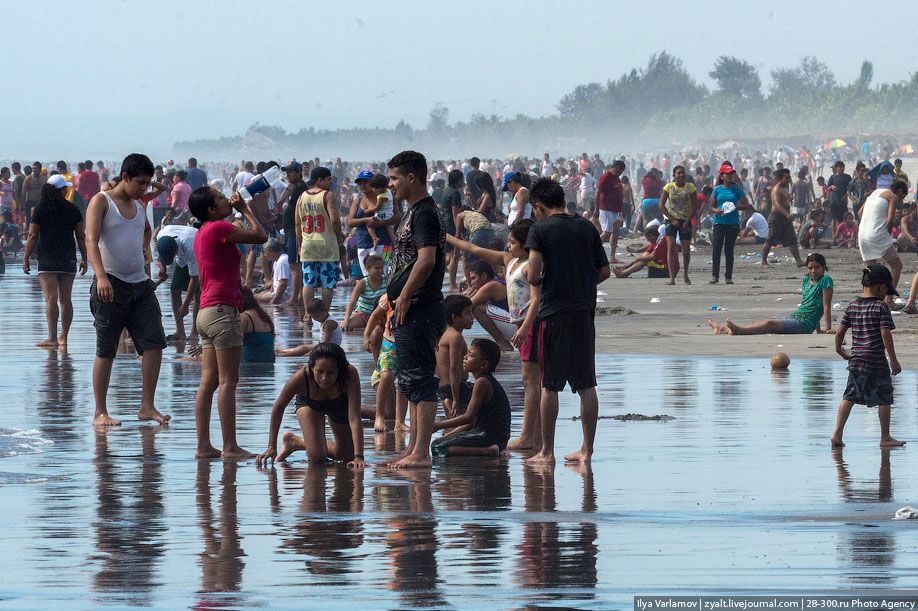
point(293, 166)
point(879, 274)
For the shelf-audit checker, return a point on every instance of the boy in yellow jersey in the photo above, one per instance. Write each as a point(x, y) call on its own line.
point(318, 237)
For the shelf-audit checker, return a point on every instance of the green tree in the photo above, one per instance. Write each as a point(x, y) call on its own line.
point(438, 121)
point(736, 77)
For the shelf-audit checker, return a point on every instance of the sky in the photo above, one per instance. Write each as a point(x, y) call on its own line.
point(122, 75)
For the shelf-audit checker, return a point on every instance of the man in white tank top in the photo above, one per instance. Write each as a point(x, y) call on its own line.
point(122, 295)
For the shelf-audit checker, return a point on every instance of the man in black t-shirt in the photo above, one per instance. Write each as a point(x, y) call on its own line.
point(472, 179)
point(296, 186)
point(569, 251)
point(449, 205)
point(415, 283)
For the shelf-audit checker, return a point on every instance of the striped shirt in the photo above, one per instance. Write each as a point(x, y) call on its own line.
point(865, 316)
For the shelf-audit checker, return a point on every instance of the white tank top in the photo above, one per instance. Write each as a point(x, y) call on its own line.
point(121, 243)
point(873, 238)
point(516, 214)
point(517, 289)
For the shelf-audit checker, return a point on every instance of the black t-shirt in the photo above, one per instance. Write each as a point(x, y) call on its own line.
point(57, 221)
point(419, 228)
point(290, 209)
point(571, 252)
point(449, 203)
point(493, 416)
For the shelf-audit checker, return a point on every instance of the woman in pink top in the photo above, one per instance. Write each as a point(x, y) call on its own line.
point(218, 322)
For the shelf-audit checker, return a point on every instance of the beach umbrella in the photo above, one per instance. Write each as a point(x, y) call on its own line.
point(837, 143)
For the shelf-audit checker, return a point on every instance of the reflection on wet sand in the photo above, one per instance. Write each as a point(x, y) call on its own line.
point(130, 528)
point(868, 550)
point(411, 537)
point(322, 534)
point(222, 558)
point(558, 561)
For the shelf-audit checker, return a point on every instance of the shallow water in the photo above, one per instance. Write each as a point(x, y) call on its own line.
point(739, 493)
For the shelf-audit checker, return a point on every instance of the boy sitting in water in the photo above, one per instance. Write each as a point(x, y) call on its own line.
point(484, 428)
point(653, 257)
point(330, 330)
point(451, 350)
point(869, 379)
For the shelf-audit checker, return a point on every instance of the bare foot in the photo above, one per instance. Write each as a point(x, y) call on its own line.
point(618, 272)
point(236, 453)
point(542, 458)
point(719, 329)
point(837, 442)
point(613, 261)
point(208, 452)
point(582, 456)
point(523, 443)
point(105, 420)
point(401, 427)
point(51, 342)
point(290, 443)
point(413, 461)
point(889, 442)
point(153, 414)
point(505, 346)
point(453, 288)
point(62, 343)
point(687, 281)
point(504, 455)
point(765, 265)
point(379, 425)
point(910, 309)
point(672, 282)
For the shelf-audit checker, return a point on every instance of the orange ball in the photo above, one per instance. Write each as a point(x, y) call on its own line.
point(780, 361)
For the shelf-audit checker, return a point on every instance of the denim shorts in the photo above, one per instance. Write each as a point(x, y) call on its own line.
point(792, 326)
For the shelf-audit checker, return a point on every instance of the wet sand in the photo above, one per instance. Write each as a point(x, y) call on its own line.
point(739, 493)
point(628, 323)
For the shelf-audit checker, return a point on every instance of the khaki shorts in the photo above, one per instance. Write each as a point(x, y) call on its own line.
point(220, 327)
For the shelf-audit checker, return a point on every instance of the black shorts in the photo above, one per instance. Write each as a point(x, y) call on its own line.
point(465, 392)
point(335, 414)
point(134, 308)
point(781, 231)
point(567, 350)
point(416, 342)
point(293, 253)
point(58, 266)
point(684, 229)
point(180, 278)
point(838, 211)
point(869, 388)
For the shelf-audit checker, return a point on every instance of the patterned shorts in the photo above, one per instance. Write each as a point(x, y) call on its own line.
point(386, 360)
point(321, 274)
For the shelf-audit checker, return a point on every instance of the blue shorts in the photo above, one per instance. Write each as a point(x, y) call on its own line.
point(321, 274)
point(650, 207)
point(792, 326)
point(291, 250)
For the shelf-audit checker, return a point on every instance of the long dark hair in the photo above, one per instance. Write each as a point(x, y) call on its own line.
point(484, 182)
point(250, 303)
point(51, 195)
point(328, 350)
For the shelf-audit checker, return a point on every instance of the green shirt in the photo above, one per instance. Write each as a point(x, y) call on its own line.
point(810, 310)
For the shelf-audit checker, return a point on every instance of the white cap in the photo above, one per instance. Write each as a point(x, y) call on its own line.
point(56, 180)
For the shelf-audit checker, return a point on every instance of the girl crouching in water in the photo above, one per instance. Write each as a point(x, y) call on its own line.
point(327, 386)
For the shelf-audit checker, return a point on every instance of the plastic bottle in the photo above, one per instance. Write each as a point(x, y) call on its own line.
point(261, 183)
point(385, 211)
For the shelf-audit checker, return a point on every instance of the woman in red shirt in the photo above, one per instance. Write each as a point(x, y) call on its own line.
point(218, 322)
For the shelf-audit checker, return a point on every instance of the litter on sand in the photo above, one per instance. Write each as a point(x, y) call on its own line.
point(906, 513)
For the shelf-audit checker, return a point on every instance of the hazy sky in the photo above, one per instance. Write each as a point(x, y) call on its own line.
point(119, 75)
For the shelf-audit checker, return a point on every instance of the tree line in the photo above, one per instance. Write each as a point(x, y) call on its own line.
point(646, 108)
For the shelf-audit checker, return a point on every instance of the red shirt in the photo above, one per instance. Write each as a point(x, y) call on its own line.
point(609, 193)
point(88, 184)
point(218, 265)
point(659, 250)
point(653, 187)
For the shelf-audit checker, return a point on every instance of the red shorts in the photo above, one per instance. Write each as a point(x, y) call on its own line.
point(528, 351)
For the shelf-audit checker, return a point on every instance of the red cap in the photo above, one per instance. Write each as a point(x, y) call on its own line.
point(726, 169)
